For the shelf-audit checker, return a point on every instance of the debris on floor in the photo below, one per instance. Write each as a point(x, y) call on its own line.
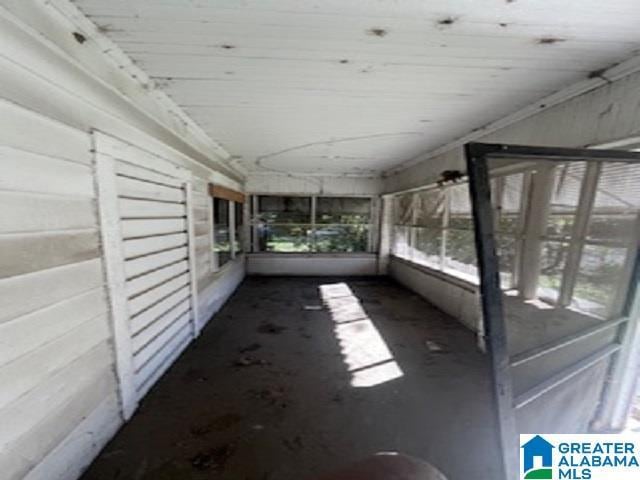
point(313, 308)
point(273, 395)
point(205, 402)
point(271, 328)
point(219, 423)
point(249, 361)
point(250, 348)
point(213, 458)
point(434, 347)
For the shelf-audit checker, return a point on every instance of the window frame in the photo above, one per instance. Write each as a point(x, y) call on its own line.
point(254, 222)
point(500, 172)
point(234, 252)
point(535, 198)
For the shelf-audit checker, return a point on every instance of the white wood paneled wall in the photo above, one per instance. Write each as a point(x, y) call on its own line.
point(59, 396)
point(56, 364)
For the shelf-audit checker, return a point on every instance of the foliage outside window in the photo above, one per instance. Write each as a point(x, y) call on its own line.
point(284, 224)
point(221, 231)
point(287, 224)
point(342, 224)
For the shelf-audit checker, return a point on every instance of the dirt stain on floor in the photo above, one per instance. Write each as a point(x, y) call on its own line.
point(294, 412)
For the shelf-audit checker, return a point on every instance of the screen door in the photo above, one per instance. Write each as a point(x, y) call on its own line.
point(557, 234)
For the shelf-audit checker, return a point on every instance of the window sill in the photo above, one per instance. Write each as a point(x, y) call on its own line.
point(444, 276)
point(312, 254)
point(223, 269)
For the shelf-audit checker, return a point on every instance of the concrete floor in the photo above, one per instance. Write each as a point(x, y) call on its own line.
point(298, 376)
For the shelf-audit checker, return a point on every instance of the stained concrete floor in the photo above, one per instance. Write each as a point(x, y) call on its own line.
point(297, 376)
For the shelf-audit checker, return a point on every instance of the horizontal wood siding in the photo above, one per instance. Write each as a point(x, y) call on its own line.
point(59, 401)
point(56, 362)
point(152, 205)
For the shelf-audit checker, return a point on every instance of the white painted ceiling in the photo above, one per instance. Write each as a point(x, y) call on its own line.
point(361, 86)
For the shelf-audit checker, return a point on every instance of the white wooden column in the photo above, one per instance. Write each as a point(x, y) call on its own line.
point(536, 223)
point(254, 221)
point(446, 212)
point(113, 254)
point(246, 224)
point(386, 233)
point(314, 205)
point(232, 229)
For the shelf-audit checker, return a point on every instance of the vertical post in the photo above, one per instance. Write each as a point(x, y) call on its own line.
point(254, 219)
point(537, 214)
point(524, 204)
point(193, 280)
point(492, 310)
point(375, 209)
point(212, 258)
point(446, 213)
point(386, 234)
point(113, 253)
point(246, 224)
point(232, 228)
point(313, 222)
point(413, 233)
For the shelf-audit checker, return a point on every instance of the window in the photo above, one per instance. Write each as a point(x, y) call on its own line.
point(565, 197)
point(312, 224)
point(434, 227)
point(507, 193)
point(610, 241)
point(284, 224)
point(342, 224)
point(574, 225)
point(221, 232)
point(459, 241)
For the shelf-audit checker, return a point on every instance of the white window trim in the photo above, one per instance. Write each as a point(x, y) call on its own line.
point(373, 224)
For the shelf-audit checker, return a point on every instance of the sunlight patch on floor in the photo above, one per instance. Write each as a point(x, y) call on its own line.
point(365, 353)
